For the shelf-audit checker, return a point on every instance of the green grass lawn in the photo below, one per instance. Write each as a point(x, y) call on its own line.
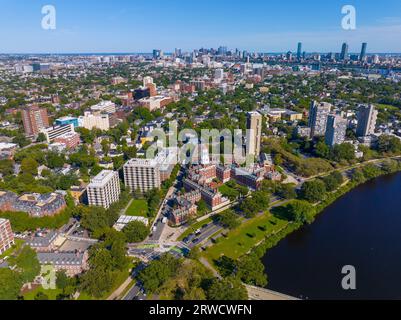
point(245, 237)
point(52, 293)
point(193, 227)
point(138, 208)
point(228, 191)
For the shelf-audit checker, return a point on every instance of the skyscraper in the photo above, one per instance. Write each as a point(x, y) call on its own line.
point(178, 52)
point(344, 52)
point(254, 133)
point(367, 118)
point(222, 51)
point(336, 130)
point(318, 118)
point(34, 119)
point(157, 54)
point(363, 51)
point(299, 51)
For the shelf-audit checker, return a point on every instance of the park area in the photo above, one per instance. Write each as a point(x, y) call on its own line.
point(137, 208)
point(242, 239)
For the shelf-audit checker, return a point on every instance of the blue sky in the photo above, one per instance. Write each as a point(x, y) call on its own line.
point(254, 25)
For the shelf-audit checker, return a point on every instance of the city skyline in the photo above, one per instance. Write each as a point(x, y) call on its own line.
point(124, 26)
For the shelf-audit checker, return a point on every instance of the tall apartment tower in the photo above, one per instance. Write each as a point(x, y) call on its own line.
point(104, 189)
point(254, 133)
point(142, 174)
point(35, 119)
point(299, 51)
point(336, 130)
point(6, 235)
point(344, 52)
point(363, 51)
point(318, 118)
point(367, 118)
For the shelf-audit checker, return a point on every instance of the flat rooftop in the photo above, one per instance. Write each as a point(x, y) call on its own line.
point(101, 179)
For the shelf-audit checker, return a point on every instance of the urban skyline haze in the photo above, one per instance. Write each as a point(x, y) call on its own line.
point(136, 26)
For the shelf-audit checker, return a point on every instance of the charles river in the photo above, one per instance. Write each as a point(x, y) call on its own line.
point(362, 229)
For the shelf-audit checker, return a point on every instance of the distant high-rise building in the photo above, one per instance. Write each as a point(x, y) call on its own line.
point(254, 133)
point(318, 118)
point(178, 53)
point(35, 119)
point(299, 51)
point(157, 54)
point(104, 189)
point(222, 51)
point(219, 74)
point(336, 130)
point(344, 52)
point(363, 51)
point(367, 118)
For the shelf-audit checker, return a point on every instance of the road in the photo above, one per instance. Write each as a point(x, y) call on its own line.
point(158, 225)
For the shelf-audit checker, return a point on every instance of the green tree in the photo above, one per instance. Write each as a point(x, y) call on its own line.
point(313, 191)
point(136, 231)
point(10, 284)
point(62, 280)
point(228, 219)
point(158, 272)
point(251, 271)
point(322, 150)
point(55, 160)
point(29, 166)
point(287, 191)
point(27, 264)
point(333, 181)
point(6, 167)
point(345, 151)
point(227, 289)
point(300, 212)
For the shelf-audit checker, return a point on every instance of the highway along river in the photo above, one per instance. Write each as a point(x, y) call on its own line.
point(362, 229)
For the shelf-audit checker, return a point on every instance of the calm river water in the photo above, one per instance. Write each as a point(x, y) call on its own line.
point(362, 229)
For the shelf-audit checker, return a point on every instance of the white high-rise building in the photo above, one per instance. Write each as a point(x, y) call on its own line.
point(148, 174)
point(104, 189)
point(104, 107)
point(94, 120)
point(142, 175)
